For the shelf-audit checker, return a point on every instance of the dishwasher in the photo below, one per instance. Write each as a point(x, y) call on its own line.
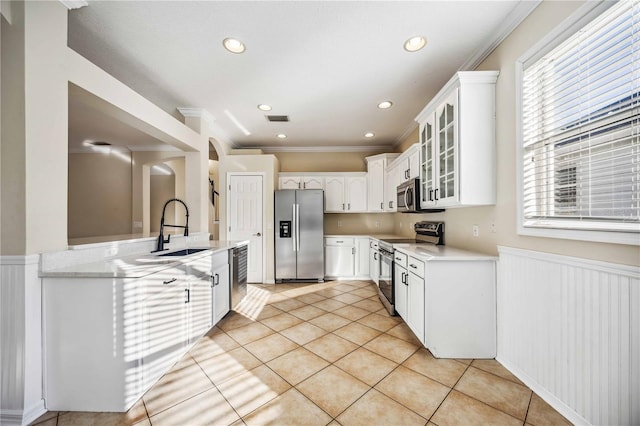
point(238, 275)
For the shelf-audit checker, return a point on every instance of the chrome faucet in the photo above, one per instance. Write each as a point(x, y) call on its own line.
point(161, 240)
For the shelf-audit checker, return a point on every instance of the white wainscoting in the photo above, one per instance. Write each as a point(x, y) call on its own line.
point(21, 398)
point(570, 329)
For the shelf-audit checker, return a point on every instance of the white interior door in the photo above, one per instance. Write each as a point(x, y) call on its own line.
point(244, 218)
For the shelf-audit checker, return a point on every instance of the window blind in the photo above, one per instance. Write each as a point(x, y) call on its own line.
point(581, 127)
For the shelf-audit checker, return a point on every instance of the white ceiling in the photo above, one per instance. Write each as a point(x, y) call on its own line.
point(324, 64)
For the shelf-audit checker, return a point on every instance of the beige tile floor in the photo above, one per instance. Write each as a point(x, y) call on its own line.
point(323, 354)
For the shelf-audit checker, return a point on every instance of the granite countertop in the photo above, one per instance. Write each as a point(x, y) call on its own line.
point(137, 265)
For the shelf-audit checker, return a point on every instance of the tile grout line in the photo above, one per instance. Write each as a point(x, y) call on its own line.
point(448, 393)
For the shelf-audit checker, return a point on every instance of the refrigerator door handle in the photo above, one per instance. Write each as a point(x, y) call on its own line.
point(297, 227)
point(294, 228)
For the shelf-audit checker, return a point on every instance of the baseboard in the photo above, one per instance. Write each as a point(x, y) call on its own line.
point(547, 396)
point(35, 411)
point(11, 418)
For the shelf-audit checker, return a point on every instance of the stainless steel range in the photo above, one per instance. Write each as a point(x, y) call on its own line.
point(426, 233)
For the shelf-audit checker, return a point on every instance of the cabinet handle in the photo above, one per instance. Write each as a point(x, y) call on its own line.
point(339, 242)
point(390, 204)
point(435, 193)
point(413, 266)
point(381, 206)
point(188, 295)
point(431, 195)
point(375, 256)
point(304, 185)
point(348, 206)
point(169, 281)
point(215, 280)
point(342, 206)
point(398, 259)
point(353, 250)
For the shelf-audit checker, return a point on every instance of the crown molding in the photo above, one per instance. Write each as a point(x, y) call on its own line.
point(197, 112)
point(74, 4)
point(515, 18)
point(270, 149)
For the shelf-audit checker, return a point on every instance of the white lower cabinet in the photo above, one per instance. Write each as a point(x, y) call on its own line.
point(221, 286)
point(362, 258)
point(415, 297)
point(346, 257)
point(449, 304)
point(401, 290)
point(374, 261)
point(107, 340)
point(339, 257)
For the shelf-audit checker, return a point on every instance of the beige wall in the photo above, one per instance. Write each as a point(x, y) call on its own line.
point(414, 137)
point(459, 222)
point(324, 161)
point(99, 200)
point(163, 188)
point(358, 223)
point(34, 128)
point(214, 212)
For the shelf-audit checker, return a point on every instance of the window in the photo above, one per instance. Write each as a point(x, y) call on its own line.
point(580, 129)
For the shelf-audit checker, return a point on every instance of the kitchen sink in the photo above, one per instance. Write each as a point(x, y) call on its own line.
point(184, 252)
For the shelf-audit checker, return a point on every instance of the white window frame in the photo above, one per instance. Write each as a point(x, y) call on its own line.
point(554, 229)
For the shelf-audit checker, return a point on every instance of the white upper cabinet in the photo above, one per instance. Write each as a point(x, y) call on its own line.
point(312, 182)
point(457, 142)
point(408, 164)
point(334, 194)
point(301, 182)
point(377, 185)
point(356, 194)
point(290, 182)
point(345, 194)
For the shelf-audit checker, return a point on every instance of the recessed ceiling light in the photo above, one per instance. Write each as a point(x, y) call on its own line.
point(415, 43)
point(99, 143)
point(233, 45)
point(282, 136)
point(369, 135)
point(385, 104)
point(264, 107)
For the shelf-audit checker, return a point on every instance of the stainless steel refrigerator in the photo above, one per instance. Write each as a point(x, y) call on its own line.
point(299, 232)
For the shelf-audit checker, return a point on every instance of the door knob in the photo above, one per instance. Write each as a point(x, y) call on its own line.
point(258, 234)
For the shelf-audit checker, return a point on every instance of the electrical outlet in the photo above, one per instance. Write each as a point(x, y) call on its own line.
point(339, 224)
point(377, 224)
point(137, 224)
point(476, 230)
point(493, 228)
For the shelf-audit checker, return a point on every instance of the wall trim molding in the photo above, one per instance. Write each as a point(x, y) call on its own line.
point(33, 412)
point(11, 418)
point(547, 396)
point(74, 4)
point(24, 259)
point(271, 149)
point(609, 267)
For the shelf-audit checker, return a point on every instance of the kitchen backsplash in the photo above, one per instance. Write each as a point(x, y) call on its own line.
point(359, 223)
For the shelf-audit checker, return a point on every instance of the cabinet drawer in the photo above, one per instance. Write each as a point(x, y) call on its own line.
point(400, 259)
point(338, 241)
point(416, 266)
point(220, 258)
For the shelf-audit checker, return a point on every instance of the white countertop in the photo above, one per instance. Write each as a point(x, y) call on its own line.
point(374, 236)
point(137, 265)
point(430, 252)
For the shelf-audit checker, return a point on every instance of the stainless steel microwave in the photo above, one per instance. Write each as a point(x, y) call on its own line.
point(408, 196)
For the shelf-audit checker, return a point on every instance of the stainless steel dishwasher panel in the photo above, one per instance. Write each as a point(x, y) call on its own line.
point(238, 275)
